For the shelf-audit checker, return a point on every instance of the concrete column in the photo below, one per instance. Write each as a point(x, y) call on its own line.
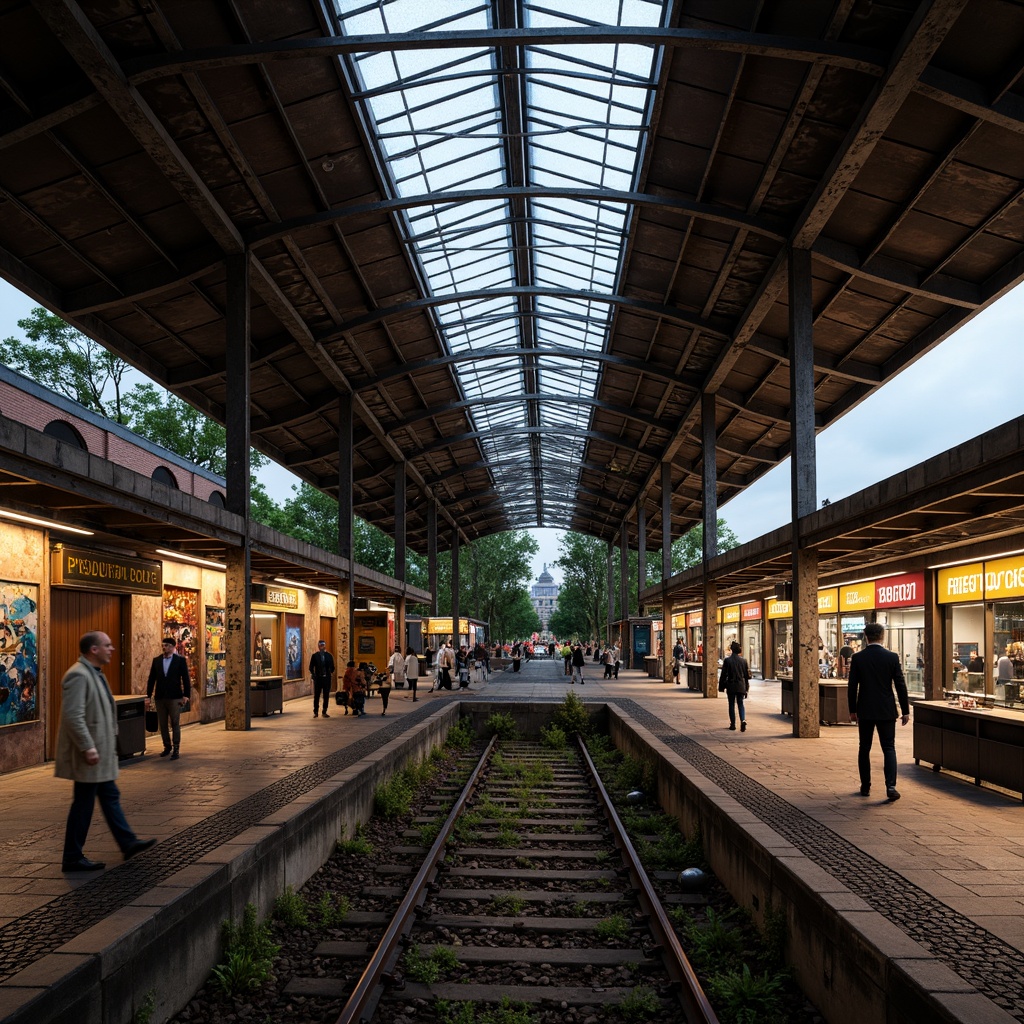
point(803, 488)
point(399, 624)
point(806, 709)
point(710, 638)
point(238, 647)
point(667, 610)
point(345, 652)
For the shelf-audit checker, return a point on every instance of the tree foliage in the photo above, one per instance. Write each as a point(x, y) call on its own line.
point(583, 597)
point(69, 363)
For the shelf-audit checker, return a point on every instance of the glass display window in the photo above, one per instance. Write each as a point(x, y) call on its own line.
point(828, 644)
point(968, 636)
point(752, 646)
point(266, 644)
point(904, 634)
point(784, 647)
point(1008, 639)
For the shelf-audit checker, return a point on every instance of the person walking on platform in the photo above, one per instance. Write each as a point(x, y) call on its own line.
point(321, 668)
point(412, 670)
point(874, 672)
point(359, 690)
point(396, 668)
point(735, 681)
point(168, 688)
point(87, 754)
point(384, 687)
point(578, 662)
point(445, 666)
point(348, 684)
point(606, 660)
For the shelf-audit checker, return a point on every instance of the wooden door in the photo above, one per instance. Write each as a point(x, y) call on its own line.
point(74, 613)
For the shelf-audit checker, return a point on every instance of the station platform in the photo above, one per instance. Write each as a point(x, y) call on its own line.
point(944, 865)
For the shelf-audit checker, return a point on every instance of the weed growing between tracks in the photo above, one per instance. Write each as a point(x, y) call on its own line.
point(742, 970)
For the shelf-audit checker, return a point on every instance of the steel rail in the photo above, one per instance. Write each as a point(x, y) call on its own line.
point(691, 996)
point(362, 1003)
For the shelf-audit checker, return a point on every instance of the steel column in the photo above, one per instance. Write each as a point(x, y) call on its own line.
point(803, 486)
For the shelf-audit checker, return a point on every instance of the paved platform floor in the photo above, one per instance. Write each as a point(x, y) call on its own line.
point(945, 863)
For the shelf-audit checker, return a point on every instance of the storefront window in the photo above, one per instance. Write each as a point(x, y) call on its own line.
point(265, 642)
point(828, 635)
point(968, 640)
point(1009, 638)
point(904, 634)
point(784, 647)
point(752, 646)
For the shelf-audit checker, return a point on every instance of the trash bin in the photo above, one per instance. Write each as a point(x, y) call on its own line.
point(131, 725)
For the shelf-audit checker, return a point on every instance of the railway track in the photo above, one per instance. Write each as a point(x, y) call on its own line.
point(530, 894)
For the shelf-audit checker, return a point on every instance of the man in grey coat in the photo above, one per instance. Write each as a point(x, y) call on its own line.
point(87, 754)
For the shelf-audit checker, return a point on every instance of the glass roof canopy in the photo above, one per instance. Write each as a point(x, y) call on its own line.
point(562, 117)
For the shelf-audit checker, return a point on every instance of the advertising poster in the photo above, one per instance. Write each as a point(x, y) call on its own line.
point(293, 647)
point(19, 681)
point(215, 653)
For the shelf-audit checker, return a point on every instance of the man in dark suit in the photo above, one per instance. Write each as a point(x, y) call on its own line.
point(168, 676)
point(873, 673)
point(321, 668)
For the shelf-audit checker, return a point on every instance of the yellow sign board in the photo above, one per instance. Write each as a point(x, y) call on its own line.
point(961, 583)
point(1004, 578)
point(857, 596)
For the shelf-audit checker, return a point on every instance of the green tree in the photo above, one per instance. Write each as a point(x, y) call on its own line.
point(493, 572)
point(688, 550)
point(166, 420)
point(517, 620)
point(583, 596)
point(70, 363)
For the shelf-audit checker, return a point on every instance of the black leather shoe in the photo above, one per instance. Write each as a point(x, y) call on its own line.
point(865, 791)
point(165, 751)
point(83, 865)
point(891, 795)
point(137, 847)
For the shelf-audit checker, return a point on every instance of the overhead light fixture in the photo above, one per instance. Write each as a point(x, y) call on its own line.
point(190, 558)
point(304, 586)
point(986, 558)
point(48, 523)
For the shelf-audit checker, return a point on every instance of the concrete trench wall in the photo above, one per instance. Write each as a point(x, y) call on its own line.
point(166, 942)
point(853, 963)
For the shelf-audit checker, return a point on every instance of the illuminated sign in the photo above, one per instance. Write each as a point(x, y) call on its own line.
point(75, 567)
point(828, 601)
point(900, 591)
point(857, 596)
point(962, 583)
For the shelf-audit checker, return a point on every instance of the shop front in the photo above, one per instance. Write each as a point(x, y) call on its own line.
point(751, 636)
point(780, 622)
point(984, 611)
point(728, 628)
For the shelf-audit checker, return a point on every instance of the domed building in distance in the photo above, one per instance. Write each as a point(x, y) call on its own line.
point(544, 595)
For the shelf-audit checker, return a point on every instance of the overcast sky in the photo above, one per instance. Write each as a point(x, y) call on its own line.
point(970, 383)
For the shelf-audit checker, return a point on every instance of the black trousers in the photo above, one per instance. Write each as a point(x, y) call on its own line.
point(321, 687)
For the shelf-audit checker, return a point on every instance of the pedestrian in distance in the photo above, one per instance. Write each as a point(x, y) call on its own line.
point(606, 659)
point(87, 754)
point(347, 685)
point(735, 681)
point(412, 670)
point(384, 686)
point(321, 668)
point(168, 689)
point(578, 662)
point(359, 691)
point(616, 660)
point(874, 672)
point(396, 668)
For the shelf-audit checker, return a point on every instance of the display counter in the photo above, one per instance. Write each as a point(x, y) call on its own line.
point(265, 695)
point(986, 744)
point(131, 724)
point(833, 703)
point(652, 666)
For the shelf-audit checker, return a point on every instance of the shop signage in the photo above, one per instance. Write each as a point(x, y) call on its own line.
point(731, 614)
point(76, 567)
point(443, 627)
point(962, 583)
point(1004, 578)
point(750, 612)
point(853, 625)
point(828, 601)
point(278, 597)
point(900, 591)
point(780, 609)
point(857, 596)
point(679, 621)
point(694, 619)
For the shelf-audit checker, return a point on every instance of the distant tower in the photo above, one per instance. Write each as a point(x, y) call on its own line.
point(544, 596)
